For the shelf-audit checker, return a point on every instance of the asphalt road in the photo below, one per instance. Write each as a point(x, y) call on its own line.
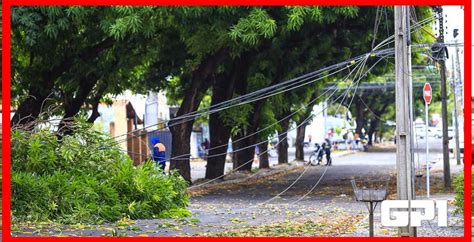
point(198, 169)
point(291, 197)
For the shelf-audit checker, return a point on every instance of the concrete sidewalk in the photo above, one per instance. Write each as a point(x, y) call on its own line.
point(427, 229)
point(438, 166)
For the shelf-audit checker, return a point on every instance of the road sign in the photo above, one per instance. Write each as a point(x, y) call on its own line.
point(427, 93)
point(427, 96)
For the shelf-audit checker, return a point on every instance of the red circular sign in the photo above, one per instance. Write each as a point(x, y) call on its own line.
point(427, 93)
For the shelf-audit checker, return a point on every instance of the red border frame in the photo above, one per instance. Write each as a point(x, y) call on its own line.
point(6, 108)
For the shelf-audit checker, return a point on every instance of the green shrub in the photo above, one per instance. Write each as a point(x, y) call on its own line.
point(175, 213)
point(459, 191)
point(86, 178)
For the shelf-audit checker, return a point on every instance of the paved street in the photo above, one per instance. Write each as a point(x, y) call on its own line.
point(247, 205)
point(198, 168)
point(93, 102)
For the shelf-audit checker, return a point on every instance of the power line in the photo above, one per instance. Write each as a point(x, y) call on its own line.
point(385, 52)
point(308, 165)
point(380, 53)
point(316, 184)
point(322, 175)
point(306, 120)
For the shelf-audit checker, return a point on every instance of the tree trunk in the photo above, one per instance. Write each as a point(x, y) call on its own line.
point(263, 154)
point(244, 157)
point(85, 90)
point(283, 141)
point(302, 123)
point(300, 134)
point(223, 90)
point(374, 123)
point(219, 138)
point(360, 116)
point(219, 133)
point(95, 113)
point(95, 101)
point(234, 156)
point(373, 127)
point(180, 128)
point(73, 105)
point(245, 152)
point(181, 132)
point(29, 110)
point(36, 102)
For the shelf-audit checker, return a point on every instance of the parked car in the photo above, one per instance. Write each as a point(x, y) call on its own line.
point(432, 132)
point(451, 132)
point(452, 143)
point(435, 132)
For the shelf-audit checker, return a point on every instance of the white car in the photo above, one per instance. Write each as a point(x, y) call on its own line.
point(451, 132)
point(435, 132)
point(452, 143)
point(432, 132)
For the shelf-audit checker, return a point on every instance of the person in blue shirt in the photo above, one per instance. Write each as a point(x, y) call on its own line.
point(327, 149)
point(159, 152)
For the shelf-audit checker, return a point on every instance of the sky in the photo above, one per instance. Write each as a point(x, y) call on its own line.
point(454, 19)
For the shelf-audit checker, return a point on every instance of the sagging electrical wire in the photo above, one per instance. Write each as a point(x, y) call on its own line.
point(385, 52)
point(245, 163)
point(300, 176)
point(304, 171)
point(328, 75)
point(191, 116)
point(250, 146)
point(274, 94)
point(322, 176)
point(343, 65)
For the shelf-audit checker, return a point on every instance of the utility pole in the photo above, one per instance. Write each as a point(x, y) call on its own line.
point(458, 67)
point(457, 85)
point(440, 56)
point(402, 99)
point(455, 114)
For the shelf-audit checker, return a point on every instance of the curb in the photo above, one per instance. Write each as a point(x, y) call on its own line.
point(342, 154)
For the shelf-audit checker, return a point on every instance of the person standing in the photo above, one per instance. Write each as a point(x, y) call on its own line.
point(356, 141)
point(159, 153)
point(350, 137)
point(327, 151)
point(205, 147)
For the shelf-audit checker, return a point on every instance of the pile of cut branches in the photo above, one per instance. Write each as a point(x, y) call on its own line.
point(85, 177)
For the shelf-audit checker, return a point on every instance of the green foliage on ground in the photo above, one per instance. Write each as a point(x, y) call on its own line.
point(87, 178)
point(459, 197)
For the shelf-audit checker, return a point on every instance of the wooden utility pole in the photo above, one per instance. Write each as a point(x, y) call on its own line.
point(440, 56)
point(402, 99)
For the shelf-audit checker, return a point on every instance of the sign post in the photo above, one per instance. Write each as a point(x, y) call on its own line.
point(427, 96)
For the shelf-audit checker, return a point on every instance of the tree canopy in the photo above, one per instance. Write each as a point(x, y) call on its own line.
point(73, 58)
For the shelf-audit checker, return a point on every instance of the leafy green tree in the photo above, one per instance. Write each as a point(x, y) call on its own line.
point(371, 106)
point(71, 57)
point(264, 29)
